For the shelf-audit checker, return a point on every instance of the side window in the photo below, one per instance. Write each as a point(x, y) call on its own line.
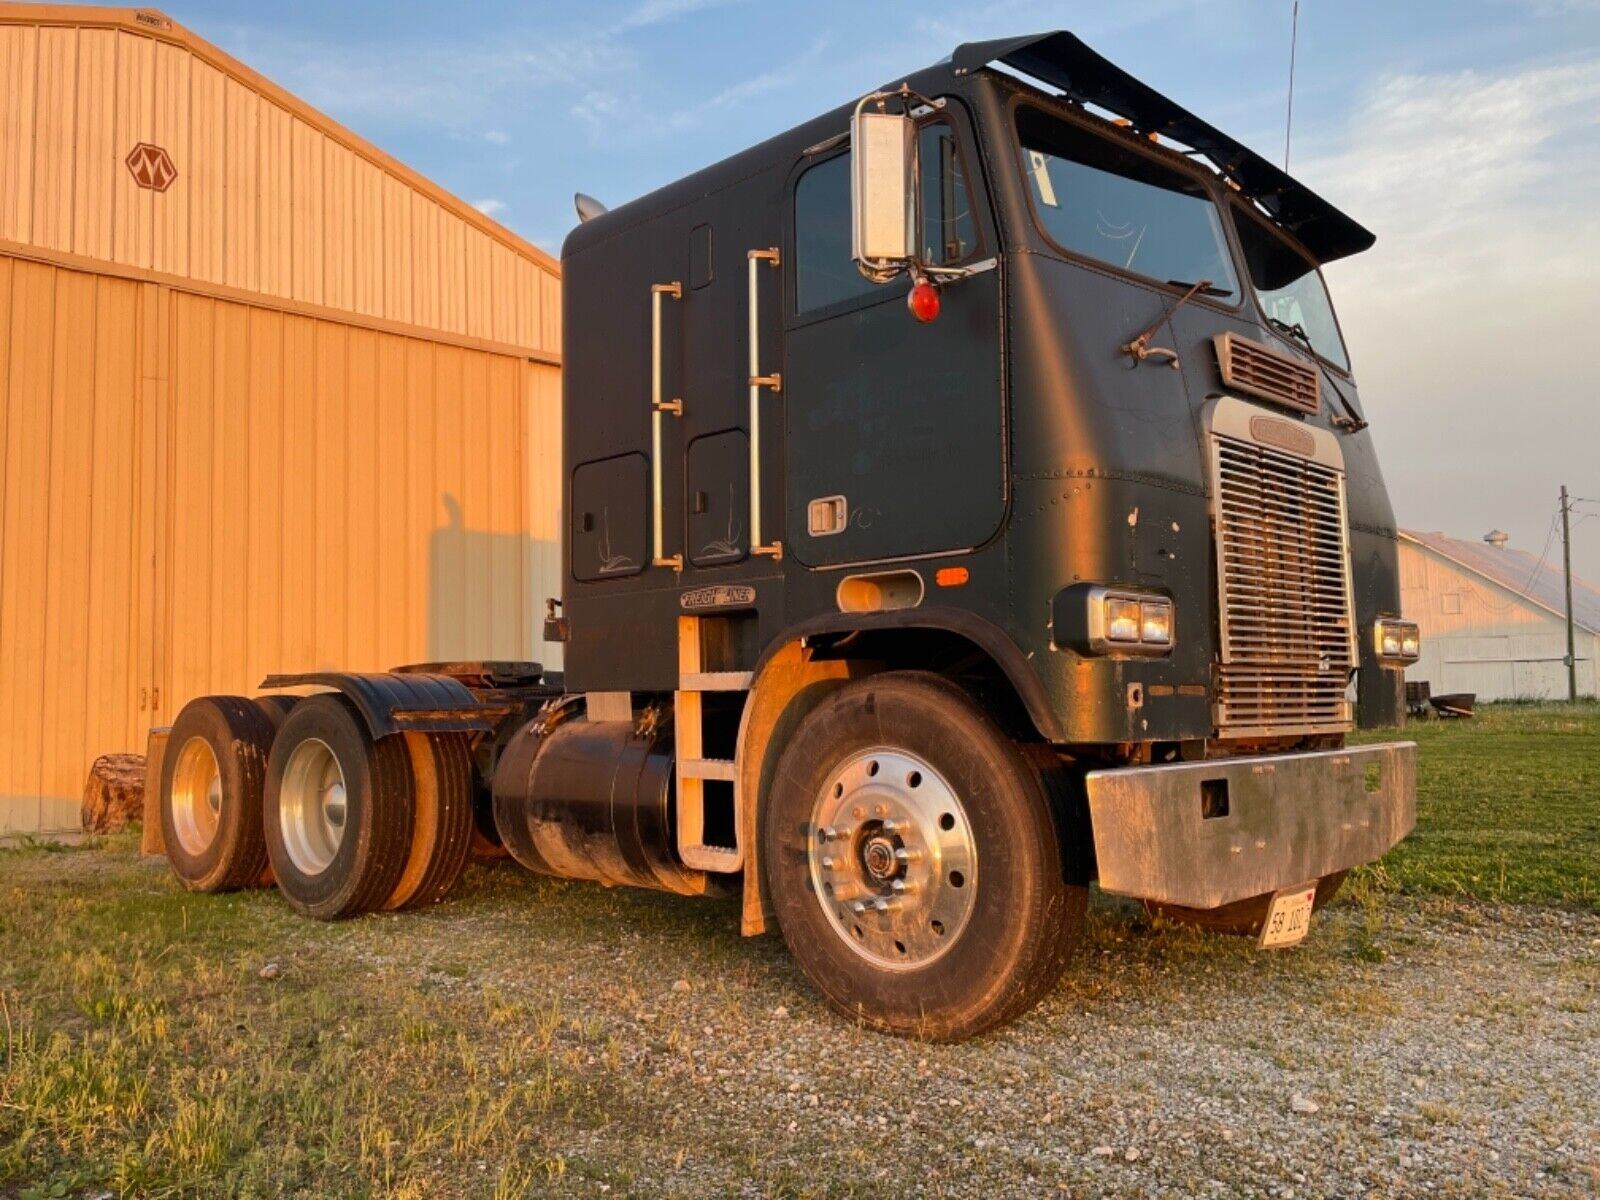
point(824, 271)
point(949, 235)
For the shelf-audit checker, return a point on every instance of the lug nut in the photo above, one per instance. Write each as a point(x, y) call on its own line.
point(907, 856)
point(827, 863)
point(858, 908)
point(892, 826)
point(881, 905)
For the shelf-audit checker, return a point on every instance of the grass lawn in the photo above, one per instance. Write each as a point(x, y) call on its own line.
point(518, 1039)
point(1508, 807)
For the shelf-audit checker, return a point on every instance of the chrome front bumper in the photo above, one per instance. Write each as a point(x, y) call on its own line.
point(1274, 821)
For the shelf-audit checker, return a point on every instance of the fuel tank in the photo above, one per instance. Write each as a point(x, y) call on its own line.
point(583, 799)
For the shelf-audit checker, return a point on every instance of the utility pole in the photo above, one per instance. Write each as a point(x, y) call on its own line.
point(1566, 564)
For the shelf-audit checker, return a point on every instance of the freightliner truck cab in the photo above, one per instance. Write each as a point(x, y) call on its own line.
point(968, 498)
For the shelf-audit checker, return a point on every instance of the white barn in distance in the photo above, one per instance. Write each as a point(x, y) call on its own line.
point(1493, 620)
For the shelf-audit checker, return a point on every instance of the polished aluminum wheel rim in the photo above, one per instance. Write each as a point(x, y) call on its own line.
point(893, 860)
point(311, 806)
point(196, 796)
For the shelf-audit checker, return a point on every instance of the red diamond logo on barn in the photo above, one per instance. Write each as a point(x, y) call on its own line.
point(152, 167)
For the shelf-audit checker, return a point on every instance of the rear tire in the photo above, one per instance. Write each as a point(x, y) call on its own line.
point(212, 783)
point(1242, 918)
point(898, 790)
point(275, 707)
point(442, 828)
point(338, 810)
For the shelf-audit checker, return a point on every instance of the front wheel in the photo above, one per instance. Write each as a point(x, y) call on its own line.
point(915, 861)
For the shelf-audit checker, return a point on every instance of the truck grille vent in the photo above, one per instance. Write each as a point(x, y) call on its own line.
point(1252, 368)
point(1287, 644)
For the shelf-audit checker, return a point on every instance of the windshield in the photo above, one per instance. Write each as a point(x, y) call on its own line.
point(1113, 204)
point(1290, 289)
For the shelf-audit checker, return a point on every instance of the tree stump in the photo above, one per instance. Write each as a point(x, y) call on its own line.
point(113, 797)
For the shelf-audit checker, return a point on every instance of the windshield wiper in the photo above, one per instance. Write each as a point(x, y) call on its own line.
point(1203, 288)
point(1294, 330)
point(1352, 421)
point(1139, 345)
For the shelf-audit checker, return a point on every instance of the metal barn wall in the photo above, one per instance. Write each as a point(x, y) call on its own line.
point(301, 409)
point(1483, 638)
point(268, 195)
point(74, 601)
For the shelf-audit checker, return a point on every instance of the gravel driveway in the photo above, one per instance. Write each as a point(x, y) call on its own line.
point(1409, 1048)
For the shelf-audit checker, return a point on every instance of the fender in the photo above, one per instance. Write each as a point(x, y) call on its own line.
point(788, 683)
point(391, 702)
point(983, 634)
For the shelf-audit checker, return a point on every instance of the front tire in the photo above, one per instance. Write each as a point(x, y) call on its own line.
point(339, 810)
point(915, 861)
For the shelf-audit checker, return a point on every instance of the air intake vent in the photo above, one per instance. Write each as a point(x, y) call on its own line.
point(1253, 369)
point(1287, 634)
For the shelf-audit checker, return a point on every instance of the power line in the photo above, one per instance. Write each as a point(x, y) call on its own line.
point(1525, 592)
point(1543, 554)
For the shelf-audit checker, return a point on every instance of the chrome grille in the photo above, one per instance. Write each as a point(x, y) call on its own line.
point(1283, 568)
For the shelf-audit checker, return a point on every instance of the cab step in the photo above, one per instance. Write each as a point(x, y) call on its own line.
point(708, 787)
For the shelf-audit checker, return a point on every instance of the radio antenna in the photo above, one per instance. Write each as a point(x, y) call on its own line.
point(1288, 119)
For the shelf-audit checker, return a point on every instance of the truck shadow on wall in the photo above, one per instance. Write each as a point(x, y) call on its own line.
point(486, 591)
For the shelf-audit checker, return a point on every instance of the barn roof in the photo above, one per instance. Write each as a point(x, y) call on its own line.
point(1519, 572)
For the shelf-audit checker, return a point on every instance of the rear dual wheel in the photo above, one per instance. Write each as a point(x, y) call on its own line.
point(212, 783)
point(355, 824)
point(338, 810)
point(442, 836)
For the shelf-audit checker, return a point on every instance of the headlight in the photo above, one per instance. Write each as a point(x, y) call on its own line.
point(1122, 619)
point(1123, 622)
point(1155, 627)
point(1397, 641)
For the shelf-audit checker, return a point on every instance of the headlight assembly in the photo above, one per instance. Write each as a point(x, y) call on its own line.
point(1397, 642)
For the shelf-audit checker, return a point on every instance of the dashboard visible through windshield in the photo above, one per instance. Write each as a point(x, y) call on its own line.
point(1110, 203)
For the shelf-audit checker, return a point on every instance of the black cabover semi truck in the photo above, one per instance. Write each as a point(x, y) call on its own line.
point(968, 499)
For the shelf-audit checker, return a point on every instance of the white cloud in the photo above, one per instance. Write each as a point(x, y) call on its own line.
point(490, 207)
point(497, 137)
point(656, 12)
point(1471, 321)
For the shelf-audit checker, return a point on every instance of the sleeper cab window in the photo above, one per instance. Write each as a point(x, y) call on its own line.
point(1101, 199)
point(825, 274)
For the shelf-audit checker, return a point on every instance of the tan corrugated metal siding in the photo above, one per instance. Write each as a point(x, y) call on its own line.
point(267, 195)
point(301, 409)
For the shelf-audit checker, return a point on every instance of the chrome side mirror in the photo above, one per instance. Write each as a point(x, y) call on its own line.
point(883, 192)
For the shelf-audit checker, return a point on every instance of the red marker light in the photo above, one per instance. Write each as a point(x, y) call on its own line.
point(923, 301)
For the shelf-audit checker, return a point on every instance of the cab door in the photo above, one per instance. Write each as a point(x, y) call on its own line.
point(894, 430)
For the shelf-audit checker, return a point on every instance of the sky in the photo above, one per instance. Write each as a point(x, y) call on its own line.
point(1464, 133)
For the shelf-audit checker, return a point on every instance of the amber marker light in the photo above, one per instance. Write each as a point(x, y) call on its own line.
point(923, 301)
point(951, 576)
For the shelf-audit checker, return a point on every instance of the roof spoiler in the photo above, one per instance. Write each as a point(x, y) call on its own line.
point(1063, 61)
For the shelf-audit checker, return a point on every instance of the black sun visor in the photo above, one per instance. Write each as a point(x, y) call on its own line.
point(1063, 61)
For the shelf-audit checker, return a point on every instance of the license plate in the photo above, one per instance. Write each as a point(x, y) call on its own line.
point(1288, 917)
